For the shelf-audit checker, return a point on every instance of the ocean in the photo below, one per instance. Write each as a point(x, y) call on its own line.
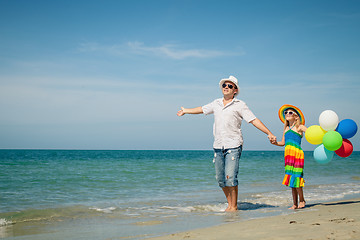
point(95, 194)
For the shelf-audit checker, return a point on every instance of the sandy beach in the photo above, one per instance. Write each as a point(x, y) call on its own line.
point(333, 220)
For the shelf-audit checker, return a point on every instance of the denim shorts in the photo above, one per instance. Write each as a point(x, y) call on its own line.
point(227, 166)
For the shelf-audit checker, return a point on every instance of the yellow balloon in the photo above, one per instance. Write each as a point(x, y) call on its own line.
point(314, 134)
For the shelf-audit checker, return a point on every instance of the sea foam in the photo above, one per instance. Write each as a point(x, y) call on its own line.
point(104, 210)
point(4, 222)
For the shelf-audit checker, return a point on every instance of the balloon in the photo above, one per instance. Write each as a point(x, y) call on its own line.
point(328, 120)
point(347, 128)
point(322, 155)
point(346, 149)
point(314, 134)
point(332, 140)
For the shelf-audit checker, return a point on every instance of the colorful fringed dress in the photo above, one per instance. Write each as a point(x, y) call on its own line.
point(294, 160)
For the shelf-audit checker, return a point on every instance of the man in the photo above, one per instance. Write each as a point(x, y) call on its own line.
point(228, 115)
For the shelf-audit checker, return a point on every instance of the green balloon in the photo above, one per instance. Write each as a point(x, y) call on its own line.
point(332, 140)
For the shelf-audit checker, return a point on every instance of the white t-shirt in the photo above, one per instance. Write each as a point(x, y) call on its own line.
point(227, 122)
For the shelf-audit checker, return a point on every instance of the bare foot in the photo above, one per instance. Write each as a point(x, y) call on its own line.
point(293, 207)
point(231, 209)
point(302, 204)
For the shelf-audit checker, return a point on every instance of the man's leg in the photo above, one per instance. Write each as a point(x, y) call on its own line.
point(231, 194)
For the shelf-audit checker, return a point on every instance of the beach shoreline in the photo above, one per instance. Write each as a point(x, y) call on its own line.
point(331, 220)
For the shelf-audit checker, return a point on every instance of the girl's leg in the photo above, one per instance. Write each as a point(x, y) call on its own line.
point(301, 197)
point(295, 198)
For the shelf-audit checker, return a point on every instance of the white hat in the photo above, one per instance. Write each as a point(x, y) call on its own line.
point(230, 79)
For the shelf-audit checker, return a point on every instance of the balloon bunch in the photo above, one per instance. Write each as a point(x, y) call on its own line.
point(332, 136)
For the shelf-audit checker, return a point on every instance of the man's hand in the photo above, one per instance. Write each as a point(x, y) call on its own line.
point(181, 112)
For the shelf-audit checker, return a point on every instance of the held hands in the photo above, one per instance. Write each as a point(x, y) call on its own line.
point(272, 139)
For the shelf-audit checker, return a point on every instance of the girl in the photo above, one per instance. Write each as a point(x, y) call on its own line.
point(294, 128)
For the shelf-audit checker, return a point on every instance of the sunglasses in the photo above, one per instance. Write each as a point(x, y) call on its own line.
point(289, 112)
point(229, 86)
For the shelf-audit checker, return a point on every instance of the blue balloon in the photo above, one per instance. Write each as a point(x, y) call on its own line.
point(347, 128)
point(322, 155)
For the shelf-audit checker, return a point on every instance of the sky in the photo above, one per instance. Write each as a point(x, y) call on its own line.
point(113, 74)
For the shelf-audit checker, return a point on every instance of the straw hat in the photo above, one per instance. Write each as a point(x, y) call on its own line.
point(230, 79)
point(296, 109)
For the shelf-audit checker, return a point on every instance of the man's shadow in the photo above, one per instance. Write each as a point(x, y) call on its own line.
point(245, 206)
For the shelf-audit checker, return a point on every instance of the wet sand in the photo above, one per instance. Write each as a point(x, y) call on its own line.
point(333, 220)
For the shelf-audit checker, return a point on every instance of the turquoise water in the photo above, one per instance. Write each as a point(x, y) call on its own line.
point(79, 194)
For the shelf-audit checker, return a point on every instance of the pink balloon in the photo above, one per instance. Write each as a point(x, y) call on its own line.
point(346, 149)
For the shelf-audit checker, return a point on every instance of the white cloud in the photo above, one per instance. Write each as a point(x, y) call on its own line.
point(171, 51)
